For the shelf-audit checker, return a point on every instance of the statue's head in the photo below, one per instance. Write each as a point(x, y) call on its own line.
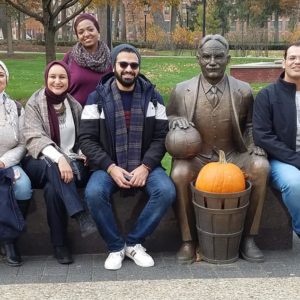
point(213, 57)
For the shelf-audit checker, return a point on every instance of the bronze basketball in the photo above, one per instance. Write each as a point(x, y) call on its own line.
point(183, 143)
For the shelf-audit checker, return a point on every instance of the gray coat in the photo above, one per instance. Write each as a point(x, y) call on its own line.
point(37, 128)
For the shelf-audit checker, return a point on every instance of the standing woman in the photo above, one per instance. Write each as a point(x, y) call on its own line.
point(89, 60)
point(12, 150)
point(51, 124)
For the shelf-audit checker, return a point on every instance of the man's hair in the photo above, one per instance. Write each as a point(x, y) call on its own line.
point(296, 44)
point(214, 37)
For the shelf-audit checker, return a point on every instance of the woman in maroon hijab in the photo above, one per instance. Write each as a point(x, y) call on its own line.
point(54, 163)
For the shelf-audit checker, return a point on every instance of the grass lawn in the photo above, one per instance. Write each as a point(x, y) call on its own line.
point(27, 72)
point(27, 75)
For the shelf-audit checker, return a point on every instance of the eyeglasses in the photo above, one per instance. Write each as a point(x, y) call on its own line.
point(125, 64)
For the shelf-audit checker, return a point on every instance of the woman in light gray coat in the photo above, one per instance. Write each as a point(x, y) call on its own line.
point(12, 150)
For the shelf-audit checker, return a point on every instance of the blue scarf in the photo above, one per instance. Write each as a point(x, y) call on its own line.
point(128, 145)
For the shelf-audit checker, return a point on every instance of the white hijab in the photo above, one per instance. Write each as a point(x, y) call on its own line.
point(10, 107)
point(3, 66)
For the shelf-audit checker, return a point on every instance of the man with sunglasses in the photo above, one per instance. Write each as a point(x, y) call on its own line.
point(123, 130)
point(220, 108)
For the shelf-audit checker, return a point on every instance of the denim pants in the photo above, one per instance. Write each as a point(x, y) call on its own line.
point(160, 190)
point(62, 199)
point(22, 185)
point(286, 179)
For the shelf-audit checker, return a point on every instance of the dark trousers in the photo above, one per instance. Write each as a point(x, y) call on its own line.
point(62, 199)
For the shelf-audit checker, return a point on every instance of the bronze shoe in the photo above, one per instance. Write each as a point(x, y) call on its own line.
point(249, 251)
point(186, 253)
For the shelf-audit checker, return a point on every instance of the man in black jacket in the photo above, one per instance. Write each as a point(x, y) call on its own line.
point(123, 130)
point(276, 128)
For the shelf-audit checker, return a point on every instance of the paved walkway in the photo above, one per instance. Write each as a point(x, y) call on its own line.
point(41, 277)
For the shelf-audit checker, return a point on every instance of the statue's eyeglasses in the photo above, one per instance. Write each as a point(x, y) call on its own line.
point(125, 64)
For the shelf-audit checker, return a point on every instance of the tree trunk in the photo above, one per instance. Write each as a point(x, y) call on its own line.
point(10, 50)
point(19, 26)
point(116, 18)
point(122, 22)
point(158, 19)
point(276, 26)
point(173, 18)
point(102, 19)
point(134, 31)
point(64, 29)
point(50, 44)
point(22, 27)
point(3, 20)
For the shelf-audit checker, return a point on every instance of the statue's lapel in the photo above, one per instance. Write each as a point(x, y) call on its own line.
point(190, 98)
point(236, 97)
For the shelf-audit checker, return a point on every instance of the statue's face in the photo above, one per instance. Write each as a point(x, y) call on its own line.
point(213, 59)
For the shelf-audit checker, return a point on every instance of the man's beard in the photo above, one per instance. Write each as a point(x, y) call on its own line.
point(126, 82)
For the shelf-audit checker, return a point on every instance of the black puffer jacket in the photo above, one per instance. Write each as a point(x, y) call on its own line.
point(97, 128)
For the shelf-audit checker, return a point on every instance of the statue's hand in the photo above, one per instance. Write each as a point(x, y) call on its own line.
point(259, 151)
point(181, 122)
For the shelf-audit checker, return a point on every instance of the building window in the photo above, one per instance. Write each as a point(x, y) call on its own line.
point(233, 26)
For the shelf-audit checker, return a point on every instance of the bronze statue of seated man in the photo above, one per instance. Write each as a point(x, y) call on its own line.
point(220, 108)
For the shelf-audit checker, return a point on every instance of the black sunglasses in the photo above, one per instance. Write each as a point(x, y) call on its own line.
point(125, 64)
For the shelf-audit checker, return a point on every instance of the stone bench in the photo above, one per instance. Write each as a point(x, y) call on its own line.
point(276, 228)
point(275, 231)
point(36, 239)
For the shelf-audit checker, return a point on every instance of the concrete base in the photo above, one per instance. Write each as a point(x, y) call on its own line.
point(275, 232)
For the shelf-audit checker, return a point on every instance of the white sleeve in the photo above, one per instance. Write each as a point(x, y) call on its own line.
point(52, 153)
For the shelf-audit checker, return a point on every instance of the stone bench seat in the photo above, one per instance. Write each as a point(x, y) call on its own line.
point(275, 232)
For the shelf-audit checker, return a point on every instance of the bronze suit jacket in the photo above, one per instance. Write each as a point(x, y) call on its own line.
point(183, 100)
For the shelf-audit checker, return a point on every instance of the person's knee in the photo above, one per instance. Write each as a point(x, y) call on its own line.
point(166, 192)
point(292, 185)
point(92, 194)
point(96, 193)
point(169, 194)
point(23, 190)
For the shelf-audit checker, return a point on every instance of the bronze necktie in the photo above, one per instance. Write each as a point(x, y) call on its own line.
point(214, 99)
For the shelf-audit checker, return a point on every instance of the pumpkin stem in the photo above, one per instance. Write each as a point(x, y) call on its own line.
point(222, 157)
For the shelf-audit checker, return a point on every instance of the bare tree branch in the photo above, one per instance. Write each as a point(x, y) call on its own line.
point(75, 13)
point(63, 5)
point(25, 10)
point(48, 5)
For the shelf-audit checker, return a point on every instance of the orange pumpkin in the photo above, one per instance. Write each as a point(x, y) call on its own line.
point(221, 177)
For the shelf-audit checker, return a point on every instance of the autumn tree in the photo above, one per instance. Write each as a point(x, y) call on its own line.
point(46, 12)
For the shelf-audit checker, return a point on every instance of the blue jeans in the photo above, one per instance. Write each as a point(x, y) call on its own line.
point(22, 186)
point(160, 190)
point(286, 178)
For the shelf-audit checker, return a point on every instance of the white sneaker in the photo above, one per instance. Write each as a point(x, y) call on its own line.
point(114, 260)
point(138, 254)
